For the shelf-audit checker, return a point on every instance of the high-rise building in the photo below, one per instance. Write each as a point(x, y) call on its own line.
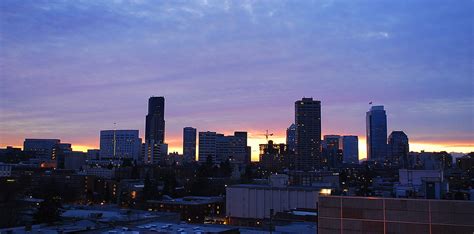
point(430, 160)
point(238, 150)
point(207, 146)
point(376, 126)
point(42, 149)
point(155, 120)
point(153, 153)
point(398, 148)
point(331, 153)
point(62, 149)
point(74, 160)
point(220, 147)
point(273, 157)
point(291, 138)
point(116, 145)
point(189, 144)
point(350, 149)
point(331, 142)
point(308, 134)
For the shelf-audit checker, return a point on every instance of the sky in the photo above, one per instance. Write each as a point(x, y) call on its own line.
point(69, 69)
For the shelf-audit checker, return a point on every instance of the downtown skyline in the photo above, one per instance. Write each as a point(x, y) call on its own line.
point(241, 73)
point(256, 138)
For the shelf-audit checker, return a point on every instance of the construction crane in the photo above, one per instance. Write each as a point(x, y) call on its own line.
point(267, 134)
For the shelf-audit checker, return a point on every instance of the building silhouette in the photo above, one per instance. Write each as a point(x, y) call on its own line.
point(219, 147)
point(189, 144)
point(153, 153)
point(207, 146)
point(43, 149)
point(376, 128)
point(291, 138)
point(398, 148)
point(117, 145)
point(350, 149)
point(155, 120)
point(308, 134)
point(331, 151)
point(273, 157)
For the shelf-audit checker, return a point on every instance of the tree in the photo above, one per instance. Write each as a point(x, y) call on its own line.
point(106, 192)
point(170, 182)
point(149, 189)
point(135, 172)
point(126, 162)
point(206, 169)
point(247, 177)
point(48, 211)
point(226, 168)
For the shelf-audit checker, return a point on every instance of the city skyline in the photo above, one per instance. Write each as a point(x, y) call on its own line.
point(241, 73)
point(253, 140)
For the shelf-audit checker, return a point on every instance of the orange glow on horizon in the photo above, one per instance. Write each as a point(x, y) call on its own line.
point(255, 138)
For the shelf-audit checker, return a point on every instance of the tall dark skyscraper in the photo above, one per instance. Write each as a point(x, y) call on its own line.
point(350, 149)
point(331, 151)
point(189, 144)
point(308, 134)
point(155, 120)
point(398, 148)
point(291, 138)
point(376, 127)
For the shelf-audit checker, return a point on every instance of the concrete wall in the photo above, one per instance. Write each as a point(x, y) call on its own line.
point(256, 201)
point(391, 215)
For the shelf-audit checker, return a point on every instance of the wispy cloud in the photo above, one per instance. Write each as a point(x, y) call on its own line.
point(231, 64)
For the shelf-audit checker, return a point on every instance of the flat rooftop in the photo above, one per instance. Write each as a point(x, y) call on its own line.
point(269, 187)
point(162, 227)
point(192, 200)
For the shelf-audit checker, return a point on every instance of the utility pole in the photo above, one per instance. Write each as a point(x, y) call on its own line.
point(271, 219)
point(115, 140)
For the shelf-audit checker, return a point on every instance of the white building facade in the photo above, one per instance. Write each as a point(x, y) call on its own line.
point(117, 145)
point(255, 202)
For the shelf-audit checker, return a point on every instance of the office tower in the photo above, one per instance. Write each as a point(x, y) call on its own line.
point(62, 149)
point(42, 149)
point(238, 151)
point(398, 148)
point(308, 134)
point(430, 160)
point(155, 120)
point(291, 138)
point(220, 147)
point(152, 152)
point(350, 149)
point(376, 126)
point(249, 155)
point(93, 155)
point(207, 146)
point(189, 144)
point(273, 156)
point(331, 142)
point(331, 153)
point(164, 150)
point(65, 147)
point(74, 160)
point(464, 163)
point(117, 145)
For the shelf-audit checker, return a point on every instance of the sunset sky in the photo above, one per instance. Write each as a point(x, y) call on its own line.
point(69, 69)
